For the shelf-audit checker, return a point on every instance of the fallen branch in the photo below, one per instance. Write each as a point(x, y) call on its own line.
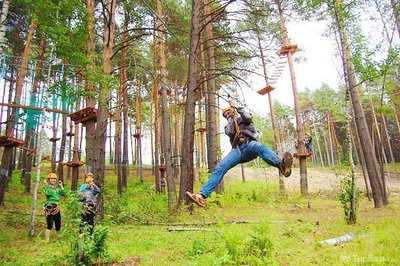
point(170, 229)
point(341, 239)
point(198, 224)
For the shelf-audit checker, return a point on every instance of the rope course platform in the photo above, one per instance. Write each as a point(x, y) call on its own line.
point(288, 49)
point(201, 129)
point(304, 154)
point(54, 139)
point(10, 142)
point(266, 90)
point(70, 134)
point(83, 115)
point(74, 163)
point(168, 92)
point(162, 168)
point(137, 135)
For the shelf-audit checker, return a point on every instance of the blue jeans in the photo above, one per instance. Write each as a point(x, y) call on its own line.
point(248, 151)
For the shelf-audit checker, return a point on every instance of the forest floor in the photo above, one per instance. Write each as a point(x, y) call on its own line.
point(250, 224)
point(320, 180)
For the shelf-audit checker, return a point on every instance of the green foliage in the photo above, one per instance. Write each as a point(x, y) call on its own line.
point(90, 250)
point(253, 250)
point(348, 192)
point(198, 247)
point(203, 174)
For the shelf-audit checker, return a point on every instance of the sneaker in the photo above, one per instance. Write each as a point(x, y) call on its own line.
point(197, 198)
point(286, 164)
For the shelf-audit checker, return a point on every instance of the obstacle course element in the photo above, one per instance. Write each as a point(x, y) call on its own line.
point(288, 49)
point(10, 142)
point(265, 90)
point(137, 135)
point(168, 92)
point(83, 115)
point(162, 168)
point(303, 154)
point(201, 129)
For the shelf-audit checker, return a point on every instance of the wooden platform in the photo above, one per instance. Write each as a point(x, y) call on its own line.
point(137, 135)
point(266, 90)
point(74, 163)
point(10, 142)
point(162, 168)
point(305, 154)
point(168, 92)
point(83, 115)
point(288, 49)
point(54, 139)
point(70, 134)
point(201, 129)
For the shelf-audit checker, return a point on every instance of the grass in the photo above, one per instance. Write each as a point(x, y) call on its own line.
point(281, 231)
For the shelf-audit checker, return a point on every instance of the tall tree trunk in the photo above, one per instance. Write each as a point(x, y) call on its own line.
point(300, 131)
point(396, 14)
point(124, 84)
point(166, 128)
point(138, 133)
point(211, 104)
point(30, 127)
point(186, 183)
point(60, 166)
point(90, 125)
point(335, 150)
point(54, 140)
point(5, 169)
point(3, 17)
point(117, 139)
point(271, 111)
point(102, 115)
point(378, 191)
point(318, 145)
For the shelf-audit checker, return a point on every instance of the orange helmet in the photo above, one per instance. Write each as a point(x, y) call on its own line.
point(52, 176)
point(88, 177)
point(227, 111)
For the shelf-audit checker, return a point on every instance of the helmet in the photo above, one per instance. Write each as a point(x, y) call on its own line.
point(227, 111)
point(52, 176)
point(88, 177)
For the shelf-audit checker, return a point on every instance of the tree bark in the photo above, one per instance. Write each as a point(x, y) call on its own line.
point(272, 115)
point(166, 128)
point(6, 163)
point(300, 131)
point(396, 14)
point(378, 191)
point(90, 125)
point(186, 183)
point(3, 17)
point(125, 110)
point(211, 104)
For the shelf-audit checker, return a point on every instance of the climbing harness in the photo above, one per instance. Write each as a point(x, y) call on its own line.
point(51, 209)
point(89, 208)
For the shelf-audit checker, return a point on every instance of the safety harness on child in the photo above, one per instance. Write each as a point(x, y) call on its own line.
point(51, 209)
point(239, 137)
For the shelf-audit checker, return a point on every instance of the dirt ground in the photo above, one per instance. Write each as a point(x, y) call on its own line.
point(319, 180)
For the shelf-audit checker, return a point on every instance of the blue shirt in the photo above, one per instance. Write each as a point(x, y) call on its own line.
point(88, 195)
